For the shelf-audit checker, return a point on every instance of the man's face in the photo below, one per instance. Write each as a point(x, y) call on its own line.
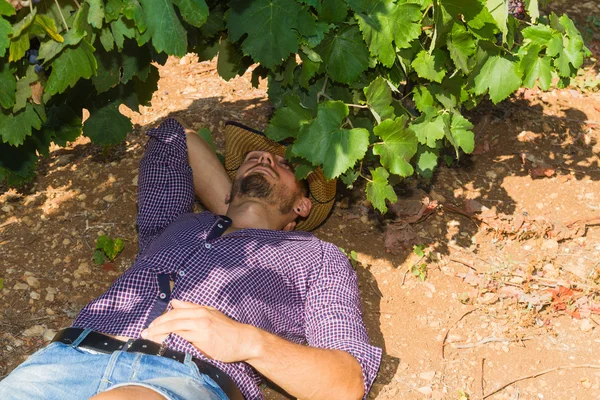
point(268, 177)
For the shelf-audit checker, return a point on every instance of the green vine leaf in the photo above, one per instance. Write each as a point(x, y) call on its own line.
point(335, 49)
point(49, 26)
point(325, 142)
point(270, 25)
point(398, 146)
point(461, 46)
point(164, 27)
point(194, 12)
point(106, 125)
point(379, 190)
point(15, 127)
point(461, 134)
point(379, 99)
point(6, 8)
point(96, 13)
point(426, 163)
point(430, 66)
point(287, 121)
point(8, 86)
point(386, 23)
point(5, 30)
point(71, 65)
point(501, 76)
point(429, 129)
point(536, 68)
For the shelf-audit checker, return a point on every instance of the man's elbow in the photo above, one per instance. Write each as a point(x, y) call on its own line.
point(355, 387)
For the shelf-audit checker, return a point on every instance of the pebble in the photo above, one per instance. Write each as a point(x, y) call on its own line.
point(34, 295)
point(109, 198)
point(49, 334)
point(134, 181)
point(428, 376)
point(21, 286)
point(425, 390)
point(83, 269)
point(36, 330)
point(66, 242)
point(586, 325)
point(33, 282)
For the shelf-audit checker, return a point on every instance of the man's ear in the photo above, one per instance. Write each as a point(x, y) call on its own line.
point(228, 198)
point(302, 207)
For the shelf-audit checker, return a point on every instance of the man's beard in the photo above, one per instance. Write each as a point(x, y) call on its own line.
point(256, 186)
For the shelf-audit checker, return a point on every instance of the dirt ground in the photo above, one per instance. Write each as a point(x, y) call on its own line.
point(509, 299)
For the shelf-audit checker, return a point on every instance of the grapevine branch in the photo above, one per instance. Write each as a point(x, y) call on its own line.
point(62, 17)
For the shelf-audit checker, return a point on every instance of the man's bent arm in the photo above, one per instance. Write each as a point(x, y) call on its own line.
point(211, 182)
point(307, 372)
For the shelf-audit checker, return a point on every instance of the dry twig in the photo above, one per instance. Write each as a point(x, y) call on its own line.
point(547, 371)
point(452, 326)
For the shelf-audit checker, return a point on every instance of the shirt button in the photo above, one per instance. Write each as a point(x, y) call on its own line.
point(207, 245)
point(220, 226)
point(162, 295)
point(182, 273)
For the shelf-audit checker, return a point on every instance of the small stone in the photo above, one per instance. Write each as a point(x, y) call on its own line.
point(36, 330)
point(134, 181)
point(21, 286)
point(364, 219)
point(50, 311)
point(33, 282)
point(428, 376)
point(49, 297)
point(426, 390)
point(66, 242)
point(586, 325)
point(49, 334)
point(109, 198)
point(83, 269)
point(34, 295)
point(437, 197)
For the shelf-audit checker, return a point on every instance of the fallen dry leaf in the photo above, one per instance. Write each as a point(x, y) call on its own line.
point(481, 148)
point(399, 235)
point(541, 172)
point(410, 209)
point(36, 92)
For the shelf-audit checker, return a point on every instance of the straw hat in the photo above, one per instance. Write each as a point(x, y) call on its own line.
point(240, 139)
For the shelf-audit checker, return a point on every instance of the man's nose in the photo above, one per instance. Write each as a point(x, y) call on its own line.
point(266, 158)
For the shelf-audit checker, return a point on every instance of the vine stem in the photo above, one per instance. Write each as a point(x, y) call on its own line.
point(356, 105)
point(77, 4)
point(426, 11)
point(64, 21)
point(322, 93)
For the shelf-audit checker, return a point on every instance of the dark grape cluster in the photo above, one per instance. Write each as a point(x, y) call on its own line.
point(32, 56)
point(516, 8)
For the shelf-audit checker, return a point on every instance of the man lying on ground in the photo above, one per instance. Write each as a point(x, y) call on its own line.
point(213, 302)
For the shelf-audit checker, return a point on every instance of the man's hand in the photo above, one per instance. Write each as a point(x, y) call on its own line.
point(209, 330)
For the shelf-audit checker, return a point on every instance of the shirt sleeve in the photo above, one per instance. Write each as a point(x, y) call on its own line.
point(333, 314)
point(165, 182)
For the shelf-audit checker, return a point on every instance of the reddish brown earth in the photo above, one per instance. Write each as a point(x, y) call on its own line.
point(512, 255)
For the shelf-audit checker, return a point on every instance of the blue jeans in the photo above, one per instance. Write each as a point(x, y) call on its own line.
point(62, 372)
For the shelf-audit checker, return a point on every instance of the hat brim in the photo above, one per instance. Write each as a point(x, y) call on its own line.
point(240, 139)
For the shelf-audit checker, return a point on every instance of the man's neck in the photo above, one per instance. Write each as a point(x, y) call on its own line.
point(254, 215)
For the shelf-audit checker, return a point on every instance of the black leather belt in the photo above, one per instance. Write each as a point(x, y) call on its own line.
point(105, 344)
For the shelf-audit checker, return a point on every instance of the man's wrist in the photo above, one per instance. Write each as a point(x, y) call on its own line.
point(255, 340)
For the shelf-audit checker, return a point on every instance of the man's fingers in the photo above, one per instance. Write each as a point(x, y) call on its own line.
point(157, 332)
point(183, 304)
point(177, 313)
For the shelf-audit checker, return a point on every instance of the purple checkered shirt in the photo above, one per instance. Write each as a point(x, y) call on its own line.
point(288, 283)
